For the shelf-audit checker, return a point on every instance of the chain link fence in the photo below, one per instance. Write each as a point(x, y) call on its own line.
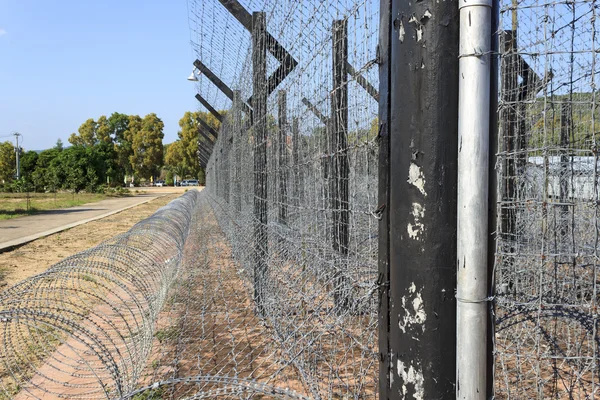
point(546, 268)
point(293, 182)
point(266, 283)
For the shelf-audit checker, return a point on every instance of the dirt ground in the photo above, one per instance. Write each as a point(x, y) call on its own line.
point(35, 257)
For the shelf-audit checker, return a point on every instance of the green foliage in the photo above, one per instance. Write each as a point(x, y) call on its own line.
point(87, 134)
point(7, 162)
point(147, 158)
point(119, 127)
point(544, 121)
point(150, 394)
point(103, 130)
point(169, 180)
point(28, 163)
point(167, 334)
point(104, 151)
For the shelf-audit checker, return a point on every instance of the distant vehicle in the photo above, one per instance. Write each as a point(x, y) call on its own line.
point(160, 183)
point(184, 183)
point(192, 182)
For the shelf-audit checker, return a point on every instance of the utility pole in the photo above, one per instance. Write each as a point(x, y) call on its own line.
point(18, 151)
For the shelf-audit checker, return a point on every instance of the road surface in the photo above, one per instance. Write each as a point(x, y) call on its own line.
point(17, 231)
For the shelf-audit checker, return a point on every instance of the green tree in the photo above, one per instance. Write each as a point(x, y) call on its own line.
point(147, 157)
point(174, 158)
point(28, 163)
point(87, 134)
point(119, 127)
point(189, 137)
point(104, 130)
point(7, 162)
point(43, 176)
point(188, 142)
point(59, 145)
point(78, 168)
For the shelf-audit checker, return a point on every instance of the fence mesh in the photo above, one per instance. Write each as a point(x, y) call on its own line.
point(546, 269)
point(294, 182)
point(265, 284)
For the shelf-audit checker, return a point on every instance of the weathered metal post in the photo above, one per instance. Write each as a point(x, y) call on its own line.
point(298, 168)
point(383, 198)
point(563, 178)
point(283, 157)
point(259, 107)
point(236, 110)
point(226, 151)
point(339, 168)
point(417, 256)
point(509, 76)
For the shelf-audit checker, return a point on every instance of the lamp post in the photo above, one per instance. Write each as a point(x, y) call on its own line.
point(18, 154)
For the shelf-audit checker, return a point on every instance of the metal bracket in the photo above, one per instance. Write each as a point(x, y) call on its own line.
point(210, 108)
point(287, 62)
point(219, 84)
point(322, 117)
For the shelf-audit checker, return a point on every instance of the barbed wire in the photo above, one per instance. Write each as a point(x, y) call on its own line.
point(84, 328)
point(311, 273)
point(546, 271)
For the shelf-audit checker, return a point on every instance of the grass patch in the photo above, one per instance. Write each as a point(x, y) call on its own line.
point(150, 394)
point(14, 205)
point(167, 334)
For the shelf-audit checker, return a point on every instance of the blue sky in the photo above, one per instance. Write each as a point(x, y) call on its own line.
point(64, 61)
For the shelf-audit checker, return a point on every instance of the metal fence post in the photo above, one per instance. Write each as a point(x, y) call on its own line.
point(339, 168)
point(383, 199)
point(472, 219)
point(283, 158)
point(298, 167)
point(259, 107)
point(564, 181)
point(225, 149)
point(236, 111)
point(508, 119)
point(421, 168)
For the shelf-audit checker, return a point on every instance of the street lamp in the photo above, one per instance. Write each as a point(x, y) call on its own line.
point(192, 76)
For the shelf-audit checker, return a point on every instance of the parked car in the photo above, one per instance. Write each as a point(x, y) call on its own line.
point(192, 182)
point(184, 183)
point(160, 183)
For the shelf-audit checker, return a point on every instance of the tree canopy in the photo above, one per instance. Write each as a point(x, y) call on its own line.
point(105, 150)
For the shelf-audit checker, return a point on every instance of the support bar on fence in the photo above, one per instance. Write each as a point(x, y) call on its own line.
point(208, 128)
point(383, 201)
point(259, 72)
point(283, 161)
point(204, 153)
point(298, 168)
point(287, 62)
point(205, 149)
point(210, 140)
point(219, 84)
point(363, 82)
point(339, 166)
point(237, 144)
point(209, 107)
point(312, 108)
point(214, 78)
point(418, 125)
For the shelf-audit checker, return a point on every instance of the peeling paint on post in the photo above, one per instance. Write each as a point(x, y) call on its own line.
point(418, 54)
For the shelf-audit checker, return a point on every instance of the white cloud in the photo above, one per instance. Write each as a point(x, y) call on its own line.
point(2, 32)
